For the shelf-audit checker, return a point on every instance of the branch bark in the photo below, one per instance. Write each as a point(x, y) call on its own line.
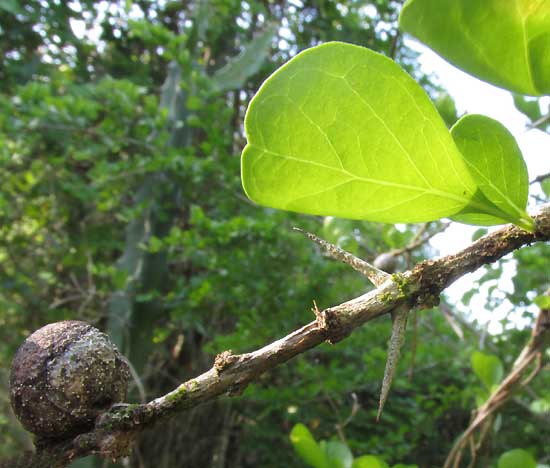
point(483, 417)
point(420, 287)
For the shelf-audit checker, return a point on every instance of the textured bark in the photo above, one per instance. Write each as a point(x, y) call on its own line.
point(420, 287)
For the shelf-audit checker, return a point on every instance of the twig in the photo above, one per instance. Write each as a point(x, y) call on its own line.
point(453, 323)
point(537, 123)
point(419, 239)
point(531, 352)
point(137, 382)
point(337, 426)
point(540, 178)
point(116, 429)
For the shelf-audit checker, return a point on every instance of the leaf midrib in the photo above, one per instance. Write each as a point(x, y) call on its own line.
point(440, 193)
point(512, 204)
point(525, 47)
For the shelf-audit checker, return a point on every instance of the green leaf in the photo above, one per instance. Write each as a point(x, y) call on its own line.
point(542, 301)
point(341, 130)
point(516, 458)
point(498, 168)
point(488, 368)
point(479, 233)
point(545, 185)
point(338, 454)
point(11, 6)
point(446, 107)
point(540, 406)
point(528, 106)
point(506, 43)
point(307, 448)
point(238, 69)
point(369, 461)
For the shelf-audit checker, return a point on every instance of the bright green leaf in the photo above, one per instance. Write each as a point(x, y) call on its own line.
point(516, 458)
point(471, 33)
point(307, 448)
point(338, 454)
point(238, 69)
point(369, 461)
point(488, 368)
point(400, 465)
point(341, 130)
point(542, 301)
point(545, 185)
point(498, 168)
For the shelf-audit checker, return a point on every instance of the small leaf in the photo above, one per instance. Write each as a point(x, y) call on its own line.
point(488, 368)
point(307, 448)
point(545, 185)
point(338, 454)
point(478, 234)
point(238, 69)
point(498, 168)
point(343, 131)
point(542, 301)
point(446, 107)
point(471, 35)
point(516, 458)
point(369, 461)
point(528, 106)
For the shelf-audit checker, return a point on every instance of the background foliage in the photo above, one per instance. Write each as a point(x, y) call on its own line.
point(121, 205)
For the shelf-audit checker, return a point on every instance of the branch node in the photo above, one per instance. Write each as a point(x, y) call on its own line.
point(318, 314)
point(225, 360)
point(332, 324)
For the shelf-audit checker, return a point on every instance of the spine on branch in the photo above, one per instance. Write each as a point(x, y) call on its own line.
point(114, 428)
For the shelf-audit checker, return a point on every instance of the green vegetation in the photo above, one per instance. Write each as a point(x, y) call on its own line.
point(121, 128)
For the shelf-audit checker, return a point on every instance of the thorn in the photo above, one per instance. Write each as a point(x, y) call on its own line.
point(376, 276)
point(315, 309)
point(397, 338)
point(320, 318)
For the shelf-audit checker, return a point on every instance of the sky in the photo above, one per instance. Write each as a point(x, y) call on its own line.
point(474, 96)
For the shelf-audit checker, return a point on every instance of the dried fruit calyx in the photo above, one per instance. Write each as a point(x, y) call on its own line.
point(63, 376)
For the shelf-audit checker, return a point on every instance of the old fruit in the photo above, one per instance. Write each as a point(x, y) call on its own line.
point(63, 376)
